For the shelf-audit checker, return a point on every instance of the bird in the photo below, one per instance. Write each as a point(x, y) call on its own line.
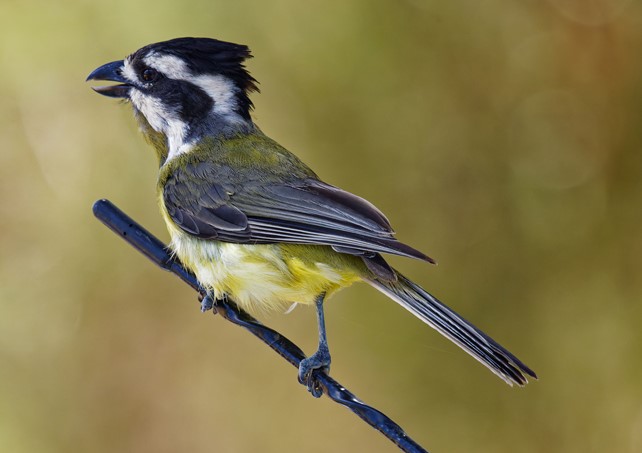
point(248, 218)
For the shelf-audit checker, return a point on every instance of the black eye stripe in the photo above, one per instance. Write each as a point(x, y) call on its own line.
point(138, 65)
point(189, 101)
point(143, 71)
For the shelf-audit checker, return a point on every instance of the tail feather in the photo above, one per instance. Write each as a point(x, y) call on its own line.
point(472, 340)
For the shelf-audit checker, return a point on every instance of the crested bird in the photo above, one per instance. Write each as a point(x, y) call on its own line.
point(249, 218)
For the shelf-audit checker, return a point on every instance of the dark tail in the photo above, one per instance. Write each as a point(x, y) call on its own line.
point(476, 343)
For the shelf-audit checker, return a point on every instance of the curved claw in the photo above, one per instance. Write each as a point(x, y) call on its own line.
point(310, 380)
point(319, 362)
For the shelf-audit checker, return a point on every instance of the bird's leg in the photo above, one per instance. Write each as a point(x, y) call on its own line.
point(320, 360)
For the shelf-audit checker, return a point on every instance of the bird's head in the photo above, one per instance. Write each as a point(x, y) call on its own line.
point(183, 89)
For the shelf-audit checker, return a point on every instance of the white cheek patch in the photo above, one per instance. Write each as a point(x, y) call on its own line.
point(221, 90)
point(152, 108)
point(162, 120)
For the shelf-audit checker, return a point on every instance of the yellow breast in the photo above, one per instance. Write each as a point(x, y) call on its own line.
point(265, 277)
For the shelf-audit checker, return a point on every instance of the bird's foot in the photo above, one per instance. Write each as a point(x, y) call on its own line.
point(309, 367)
point(206, 300)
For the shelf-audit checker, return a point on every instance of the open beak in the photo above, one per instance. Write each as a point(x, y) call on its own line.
point(111, 72)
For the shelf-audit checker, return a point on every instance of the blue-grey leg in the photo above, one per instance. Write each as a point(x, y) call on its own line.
point(320, 360)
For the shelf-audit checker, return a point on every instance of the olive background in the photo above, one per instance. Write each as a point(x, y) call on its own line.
point(502, 138)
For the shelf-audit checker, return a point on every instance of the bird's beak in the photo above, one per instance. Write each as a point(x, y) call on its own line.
point(111, 72)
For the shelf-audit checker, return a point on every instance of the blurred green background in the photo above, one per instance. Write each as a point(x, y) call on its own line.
point(502, 138)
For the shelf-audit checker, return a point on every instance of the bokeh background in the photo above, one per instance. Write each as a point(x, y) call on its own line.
point(501, 137)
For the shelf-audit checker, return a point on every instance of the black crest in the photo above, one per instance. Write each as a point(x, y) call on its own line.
point(211, 56)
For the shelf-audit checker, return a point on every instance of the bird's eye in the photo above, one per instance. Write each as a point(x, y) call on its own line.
point(149, 75)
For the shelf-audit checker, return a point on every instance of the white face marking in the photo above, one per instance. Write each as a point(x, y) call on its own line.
point(129, 73)
point(171, 66)
point(161, 119)
point(222, 90)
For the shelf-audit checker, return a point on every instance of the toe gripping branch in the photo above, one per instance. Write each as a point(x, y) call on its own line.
point(143, 241)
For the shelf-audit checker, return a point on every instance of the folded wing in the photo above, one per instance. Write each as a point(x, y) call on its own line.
point(306, 211)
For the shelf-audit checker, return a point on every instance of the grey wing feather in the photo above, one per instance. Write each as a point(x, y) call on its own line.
point(301, 212)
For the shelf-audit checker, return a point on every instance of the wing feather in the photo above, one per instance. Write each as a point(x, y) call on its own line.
point(305, 211)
